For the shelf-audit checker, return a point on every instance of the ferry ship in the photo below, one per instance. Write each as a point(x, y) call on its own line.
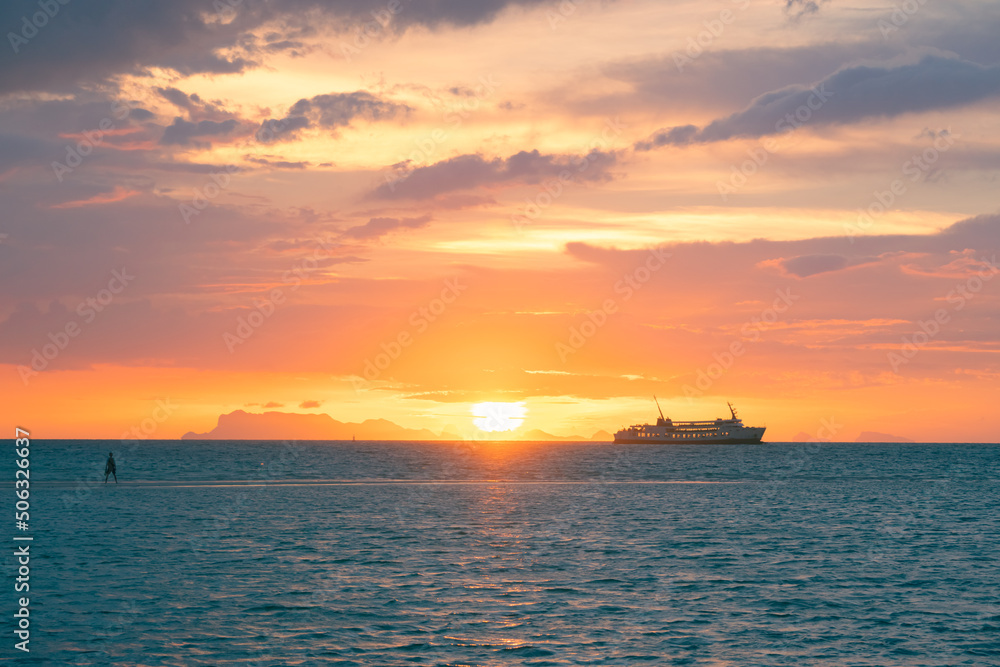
point(714, 432)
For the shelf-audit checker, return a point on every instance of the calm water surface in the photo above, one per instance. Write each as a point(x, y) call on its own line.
point(347, 553)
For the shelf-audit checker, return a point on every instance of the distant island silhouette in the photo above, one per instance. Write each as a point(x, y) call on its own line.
point(242, 425)
point(875, 436)
point(866, 436)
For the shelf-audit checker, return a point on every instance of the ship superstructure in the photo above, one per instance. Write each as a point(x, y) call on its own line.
point(712, 432)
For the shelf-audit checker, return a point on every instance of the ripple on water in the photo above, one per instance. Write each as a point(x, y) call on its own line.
point(860, 556)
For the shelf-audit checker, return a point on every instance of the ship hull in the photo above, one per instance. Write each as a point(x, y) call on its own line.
point(626, 440)
point(748, 436)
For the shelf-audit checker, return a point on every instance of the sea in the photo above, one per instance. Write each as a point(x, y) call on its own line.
point(492, 553)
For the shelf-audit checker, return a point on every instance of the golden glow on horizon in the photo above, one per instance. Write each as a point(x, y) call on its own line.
point(494, 417)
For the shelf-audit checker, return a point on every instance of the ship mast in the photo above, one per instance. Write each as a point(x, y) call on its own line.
point(732, 410)
point(659, 408)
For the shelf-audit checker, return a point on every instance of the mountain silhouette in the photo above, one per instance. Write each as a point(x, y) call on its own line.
point(242, 425)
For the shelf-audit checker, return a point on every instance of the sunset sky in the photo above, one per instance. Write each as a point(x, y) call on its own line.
point(402, 208)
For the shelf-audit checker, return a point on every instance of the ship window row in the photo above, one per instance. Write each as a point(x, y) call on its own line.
point(679, 436)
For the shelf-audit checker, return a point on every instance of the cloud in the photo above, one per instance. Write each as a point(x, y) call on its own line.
point(378, 227)
point(16, 150)
point(276, 164)
point(330, 111)
point(803, 266)
point(433, 14)
point(179, 305)
point(92, 41)
point(52, 124)
point(675, 136)
point(86, 42)
point(197, 108)
point(182, 132)
point(808, 265)
point(179, 98)
point(796, 9)
point(294, 47)
point(890, 256)
point(118, 194)
point(307, 405)
point(470, 171)
point(849, 95)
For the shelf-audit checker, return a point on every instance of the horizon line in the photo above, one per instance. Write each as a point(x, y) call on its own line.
point(561, 441)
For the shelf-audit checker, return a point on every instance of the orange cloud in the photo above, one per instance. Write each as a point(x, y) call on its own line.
point(118, 194)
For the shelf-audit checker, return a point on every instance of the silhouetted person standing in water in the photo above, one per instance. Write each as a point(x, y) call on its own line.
point(109, 468)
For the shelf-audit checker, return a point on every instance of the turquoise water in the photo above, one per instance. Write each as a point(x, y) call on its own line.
point(496, 554)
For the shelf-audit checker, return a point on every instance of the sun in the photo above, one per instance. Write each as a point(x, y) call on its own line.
point(493, 417)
